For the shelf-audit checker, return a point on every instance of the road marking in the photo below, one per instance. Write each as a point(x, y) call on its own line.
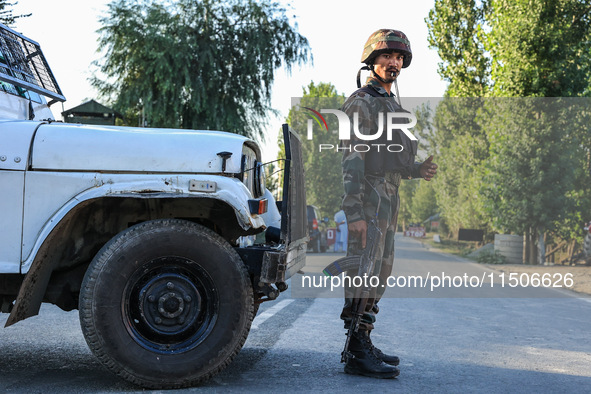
point(260, 319)
point(573, 294)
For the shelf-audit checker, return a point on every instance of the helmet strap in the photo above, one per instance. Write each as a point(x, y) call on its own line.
point(376, 75)
point(383, 80)
point(370, 68)
point(397, 93)
point(359, 75)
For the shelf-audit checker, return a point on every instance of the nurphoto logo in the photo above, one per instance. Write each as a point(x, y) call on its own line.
point(386, 124)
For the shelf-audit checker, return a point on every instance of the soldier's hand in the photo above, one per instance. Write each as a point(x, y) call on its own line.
point(359, 230)
point(428, 169)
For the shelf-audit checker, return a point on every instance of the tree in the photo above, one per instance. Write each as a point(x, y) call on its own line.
point(196, 64)
point(6, 16)
point(527, 175)
point(577, 136)
point(424, 205)
point(527, 181)
point(456, 30)
point(418, 198)
point(462, 154)
point(539, 48)
point(406, 192)
point(323, 171)
point(544, 53)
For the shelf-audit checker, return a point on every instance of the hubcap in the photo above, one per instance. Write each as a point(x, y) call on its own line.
point(170, 304)
point(172, 300)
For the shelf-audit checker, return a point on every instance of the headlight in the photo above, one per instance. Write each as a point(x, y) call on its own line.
point(260, 179)
point(253, 174)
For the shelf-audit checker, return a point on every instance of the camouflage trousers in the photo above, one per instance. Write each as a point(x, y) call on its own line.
point(382, 191)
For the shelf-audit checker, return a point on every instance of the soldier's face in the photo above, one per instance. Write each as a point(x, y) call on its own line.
point(388, 65)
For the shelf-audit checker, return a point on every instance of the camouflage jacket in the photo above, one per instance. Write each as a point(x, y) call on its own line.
point(354, 162)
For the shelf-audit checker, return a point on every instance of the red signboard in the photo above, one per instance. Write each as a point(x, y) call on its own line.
point(331, 235)
point(415, 231)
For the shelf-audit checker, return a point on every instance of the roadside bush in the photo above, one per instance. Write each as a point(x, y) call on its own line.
point(491, 258)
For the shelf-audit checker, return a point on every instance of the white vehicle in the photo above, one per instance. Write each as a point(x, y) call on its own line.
point(148, 232)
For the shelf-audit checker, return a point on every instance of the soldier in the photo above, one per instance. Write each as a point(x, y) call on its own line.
point(369, 173)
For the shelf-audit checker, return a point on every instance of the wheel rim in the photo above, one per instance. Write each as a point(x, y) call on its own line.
point(170, 305)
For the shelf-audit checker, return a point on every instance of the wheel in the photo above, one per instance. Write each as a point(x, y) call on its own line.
point(317, 245)
point(166, 304)
point(323, 244)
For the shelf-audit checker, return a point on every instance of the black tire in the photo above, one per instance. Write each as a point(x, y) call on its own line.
point(317, 245)
point(323, 243)
point(166, 304)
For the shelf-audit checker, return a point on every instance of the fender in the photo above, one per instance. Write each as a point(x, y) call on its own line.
point(40, 262)
point(229, 190)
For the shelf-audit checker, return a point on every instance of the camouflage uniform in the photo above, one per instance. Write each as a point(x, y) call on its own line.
point(363, 184)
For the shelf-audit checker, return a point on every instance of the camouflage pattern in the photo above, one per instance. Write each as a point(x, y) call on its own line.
point(354, 162)
point(389, 204)
point(387, 39)
point(363, 191)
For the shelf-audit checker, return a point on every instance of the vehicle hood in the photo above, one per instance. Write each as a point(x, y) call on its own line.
point(74, 147)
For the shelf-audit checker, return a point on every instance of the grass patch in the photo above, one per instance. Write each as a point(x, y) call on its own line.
point(491, 258)
point(451, 246)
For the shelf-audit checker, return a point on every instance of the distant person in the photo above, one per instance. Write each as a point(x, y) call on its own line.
point(340, 244)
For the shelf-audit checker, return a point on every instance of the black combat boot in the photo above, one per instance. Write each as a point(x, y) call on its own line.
point(365, 362)
point(392, 360)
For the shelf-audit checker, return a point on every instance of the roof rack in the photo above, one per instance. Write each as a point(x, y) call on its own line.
point(22, 64)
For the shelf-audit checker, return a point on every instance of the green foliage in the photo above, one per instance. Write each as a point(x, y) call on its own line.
point(512, 47)
point(196, 64)
point(575, 135)
point(406, 193)
point(491, 258)
point(526, 174)
point(461, 150)
point(417, 198)
point(456, 29)
point(539, 48)
point(424, 204)
point(271, 178)
point(513, 165)
point(323, 171)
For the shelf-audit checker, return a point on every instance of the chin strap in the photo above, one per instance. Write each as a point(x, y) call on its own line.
point(370, 68)
point(359, 75)
point(377, 76)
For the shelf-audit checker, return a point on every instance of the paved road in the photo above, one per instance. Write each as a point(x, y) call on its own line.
point(467, 343)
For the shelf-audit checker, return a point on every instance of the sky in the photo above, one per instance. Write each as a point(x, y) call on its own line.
point(336, 29)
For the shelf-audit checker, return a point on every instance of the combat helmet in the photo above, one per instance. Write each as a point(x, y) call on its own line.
point(387, 39)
